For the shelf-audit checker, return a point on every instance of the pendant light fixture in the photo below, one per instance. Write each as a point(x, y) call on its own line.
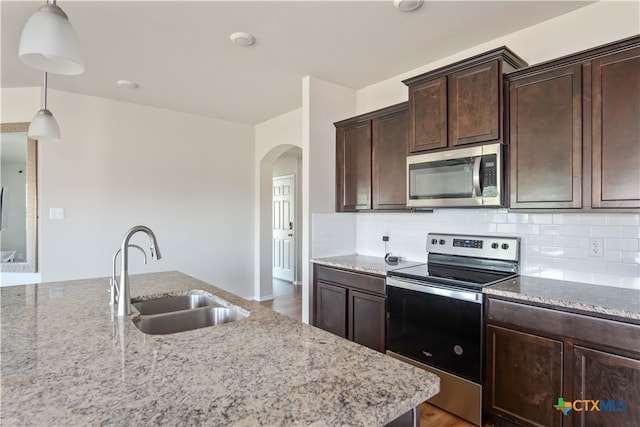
point(49, 42)
point(44, 127)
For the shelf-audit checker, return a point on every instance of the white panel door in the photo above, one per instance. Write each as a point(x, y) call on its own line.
point(283, 228)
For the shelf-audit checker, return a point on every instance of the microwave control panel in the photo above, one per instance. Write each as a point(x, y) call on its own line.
point(489, 173)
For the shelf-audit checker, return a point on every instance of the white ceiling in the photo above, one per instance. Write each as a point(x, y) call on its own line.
point(180, 54)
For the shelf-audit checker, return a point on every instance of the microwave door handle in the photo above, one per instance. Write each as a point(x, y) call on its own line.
point(476, 175)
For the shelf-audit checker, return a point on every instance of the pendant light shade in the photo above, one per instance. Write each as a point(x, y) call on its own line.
point(44, 127)
point(49, 42)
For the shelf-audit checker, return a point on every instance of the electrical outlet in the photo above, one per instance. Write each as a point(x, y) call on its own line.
point(385, 238)
point(596, 248)
point(56, 213)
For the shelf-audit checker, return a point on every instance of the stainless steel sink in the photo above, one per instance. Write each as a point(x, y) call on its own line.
point(186, 320)
point(174, 303)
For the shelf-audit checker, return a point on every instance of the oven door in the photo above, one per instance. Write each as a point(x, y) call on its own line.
point(436, 326)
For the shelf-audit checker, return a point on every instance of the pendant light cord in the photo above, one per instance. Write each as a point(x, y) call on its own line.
point(44, 92)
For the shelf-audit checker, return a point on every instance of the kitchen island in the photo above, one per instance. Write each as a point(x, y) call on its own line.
point(67, 360)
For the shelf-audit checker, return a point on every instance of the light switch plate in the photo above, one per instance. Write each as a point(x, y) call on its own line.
point(56, 213)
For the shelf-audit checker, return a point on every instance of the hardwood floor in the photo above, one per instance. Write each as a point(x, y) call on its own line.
point(287, 299)
point(431, 416)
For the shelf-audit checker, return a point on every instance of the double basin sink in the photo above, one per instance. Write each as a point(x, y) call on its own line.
point(195, 309)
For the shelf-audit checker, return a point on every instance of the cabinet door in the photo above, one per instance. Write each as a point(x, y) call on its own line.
point(616, 130)
point(331, 308)
point(367, 320)
point(353, 167)
point(545, 122)
point(390, 137)
point(524, 377)
point(474, 104)
point(608, 378)
point(428, 115)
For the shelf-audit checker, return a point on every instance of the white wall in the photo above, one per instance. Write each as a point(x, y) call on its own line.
point(323, 103)
point(554, 245)
point(189, 178)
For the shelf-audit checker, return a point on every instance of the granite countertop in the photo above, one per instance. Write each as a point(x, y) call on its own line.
point(67, 360)
point(363, 263)
point(591, 299)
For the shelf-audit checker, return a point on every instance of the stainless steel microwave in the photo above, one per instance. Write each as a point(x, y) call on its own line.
point(462, 177)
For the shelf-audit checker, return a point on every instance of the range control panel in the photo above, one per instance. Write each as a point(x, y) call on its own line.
point(490, 247)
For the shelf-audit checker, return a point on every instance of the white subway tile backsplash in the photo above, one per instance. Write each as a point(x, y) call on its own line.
point(541, 218)
point(621, 269)
point(540, 240)
point(566, 241)
point(577, 230)
point(555, 230)
point(551, 251)
point(565, 219)
point(518, 218)
point(622, 244)
point(606, 231)
point(553, 245)
point(616, 219)
point(631, 232)
point(507, 228)
point(612, 256)
point(499, 218)
point(592, 219)
point(630, 257)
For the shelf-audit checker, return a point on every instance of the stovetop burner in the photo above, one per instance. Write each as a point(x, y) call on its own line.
point(448, 275)
point(465, 261)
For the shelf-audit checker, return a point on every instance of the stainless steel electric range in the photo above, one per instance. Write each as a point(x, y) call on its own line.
point(435, 313)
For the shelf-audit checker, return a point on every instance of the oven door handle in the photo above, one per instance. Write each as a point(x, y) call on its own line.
point(475, 297)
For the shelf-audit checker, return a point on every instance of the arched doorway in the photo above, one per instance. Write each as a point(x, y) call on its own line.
point(280, 161)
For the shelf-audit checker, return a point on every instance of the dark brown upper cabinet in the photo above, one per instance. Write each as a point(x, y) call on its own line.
point(574, 126)
point(371, 151)
point(545, 113)
point(353, 166)
point(461, 103)
point(615, 123)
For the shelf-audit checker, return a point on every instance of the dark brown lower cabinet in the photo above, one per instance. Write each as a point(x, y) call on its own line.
point(367, 320)
point(524, 374)
point(538, 355)
point(332, 308)
point(351, 305)
point(608, 378)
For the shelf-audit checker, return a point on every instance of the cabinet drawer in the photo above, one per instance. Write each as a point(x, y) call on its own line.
point(351, 279)
point(608, 333)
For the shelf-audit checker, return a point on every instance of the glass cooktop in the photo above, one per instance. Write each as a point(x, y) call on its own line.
point(443, 274)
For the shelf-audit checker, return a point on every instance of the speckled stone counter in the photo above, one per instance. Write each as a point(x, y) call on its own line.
point(362, 263)
point(66, 360)
point(597, 300)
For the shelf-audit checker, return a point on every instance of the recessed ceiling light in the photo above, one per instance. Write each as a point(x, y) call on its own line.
point(407, 5)
point(127, 84)
point(243, 39)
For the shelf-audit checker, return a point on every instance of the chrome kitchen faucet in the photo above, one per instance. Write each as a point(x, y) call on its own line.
point(124, 299)
point(113, 283)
